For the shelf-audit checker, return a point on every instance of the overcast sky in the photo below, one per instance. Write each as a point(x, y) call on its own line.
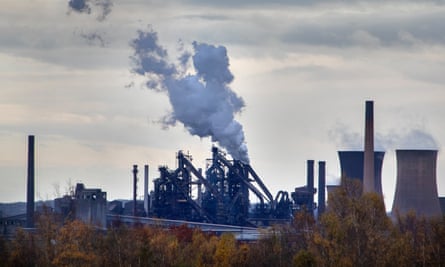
point(303, 68)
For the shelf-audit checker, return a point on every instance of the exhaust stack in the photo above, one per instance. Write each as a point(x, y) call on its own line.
point(321, 187)
point(368, 164)
point(135, 182)
point(30, 186)
point(146, 197)
point(416, 187)
point(310, 182)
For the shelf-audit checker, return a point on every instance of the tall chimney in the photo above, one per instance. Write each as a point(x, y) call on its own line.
point(310, 181)
point(135, 181)
point(146, 206)
point(368, 164)
point(416, 186)
point(30, 187)
point(321, 187)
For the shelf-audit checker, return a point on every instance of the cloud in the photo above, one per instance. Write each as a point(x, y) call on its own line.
point(102, 7)
point(203, 102)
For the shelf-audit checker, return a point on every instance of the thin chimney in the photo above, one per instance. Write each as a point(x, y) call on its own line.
point(30, 187)
point(310, 182)
point(146, 206)
point(321, 187)
point(135, 181)
point(368, 164)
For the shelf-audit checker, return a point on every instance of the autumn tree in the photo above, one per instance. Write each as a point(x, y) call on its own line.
point(355, 229)
point(24, 251)
point(76, 245)
point(423, 239)
point(225, 251)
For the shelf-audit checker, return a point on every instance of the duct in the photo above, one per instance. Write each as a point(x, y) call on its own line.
point(416, 187)
point(30, 186)
point(321, 187)
point(368, 165)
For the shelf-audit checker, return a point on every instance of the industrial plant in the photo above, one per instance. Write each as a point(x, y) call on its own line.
point(228, 192)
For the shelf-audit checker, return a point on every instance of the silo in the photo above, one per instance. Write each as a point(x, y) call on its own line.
point(416, 187)
point(351, 166)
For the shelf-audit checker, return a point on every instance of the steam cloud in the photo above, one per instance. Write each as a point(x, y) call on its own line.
point(203, 101)
point(84, 6)
point(414, 138)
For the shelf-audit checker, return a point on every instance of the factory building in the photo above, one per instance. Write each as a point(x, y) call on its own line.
point(222, 194)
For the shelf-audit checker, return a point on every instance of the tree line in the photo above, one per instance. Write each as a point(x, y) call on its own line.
point(354, 231)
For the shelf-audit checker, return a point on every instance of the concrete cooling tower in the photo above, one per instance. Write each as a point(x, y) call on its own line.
point(351, 166)
point(416, 187)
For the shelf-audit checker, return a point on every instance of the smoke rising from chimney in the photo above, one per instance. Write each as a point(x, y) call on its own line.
point(203, 102)
point(84, 6)
point(402, 138)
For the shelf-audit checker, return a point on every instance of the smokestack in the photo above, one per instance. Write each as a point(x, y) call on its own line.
point(368, 165)
point(416, 187)
point(135, 181)
point(146, 207)
point(30, 187)
point(351, 166)
point(310, 181)
point(321, 187)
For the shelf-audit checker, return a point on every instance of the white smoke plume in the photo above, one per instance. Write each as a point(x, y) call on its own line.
point(103, 7)
point(410, 138)
point(203, 102)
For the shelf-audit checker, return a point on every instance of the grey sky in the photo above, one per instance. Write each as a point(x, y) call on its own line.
point(304, 70)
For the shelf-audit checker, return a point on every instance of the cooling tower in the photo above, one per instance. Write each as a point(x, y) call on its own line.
point(351, 166)
point(416, 187)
